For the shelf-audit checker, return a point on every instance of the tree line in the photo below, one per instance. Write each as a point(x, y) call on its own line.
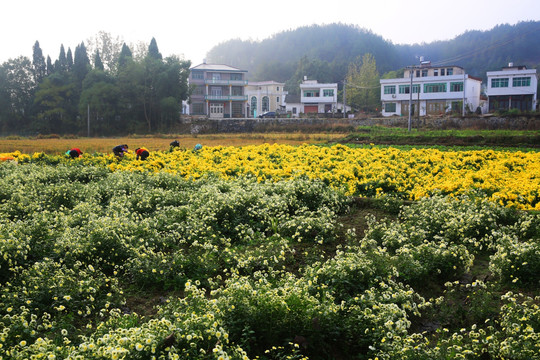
point(114, 94)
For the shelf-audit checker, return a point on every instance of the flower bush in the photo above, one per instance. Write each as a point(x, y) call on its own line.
point(245, 250)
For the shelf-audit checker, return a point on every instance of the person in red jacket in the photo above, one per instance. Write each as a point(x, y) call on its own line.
point(74, 153)
point(142, 153)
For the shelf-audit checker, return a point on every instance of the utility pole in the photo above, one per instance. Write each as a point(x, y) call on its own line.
point(344, 98)
point(410, 97)
point(463, 107)
point(88, 116)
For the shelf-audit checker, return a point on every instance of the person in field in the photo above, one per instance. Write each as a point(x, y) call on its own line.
point(74, 153)
point(142, 153)
point(120, 150)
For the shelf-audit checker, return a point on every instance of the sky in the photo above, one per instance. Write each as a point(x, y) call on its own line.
point(191, 28)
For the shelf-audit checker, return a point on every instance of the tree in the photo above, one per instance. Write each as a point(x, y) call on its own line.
point(98, 64)
point(99, 98)
point(153, 50)
point(362, 84)
point(53, 99)
point(69, 59)
point(50, 66)
point(38, 63)
point(60, 64)
point(81, 65)
point(109, 48)
point(17, 90)
point(124, 57)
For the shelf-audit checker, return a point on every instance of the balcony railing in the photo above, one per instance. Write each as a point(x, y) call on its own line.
point(318, 99)
point(225, 82)
point(226, 97)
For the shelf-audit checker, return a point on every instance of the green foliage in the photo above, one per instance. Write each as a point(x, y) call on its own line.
point(363, 89)
point(258, 270)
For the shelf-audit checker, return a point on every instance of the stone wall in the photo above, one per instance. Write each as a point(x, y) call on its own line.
point(202, 125)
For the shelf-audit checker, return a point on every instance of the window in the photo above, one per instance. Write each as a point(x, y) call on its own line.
point(442, 72)
point(424, 73)
point(404, 89)
point(265, 104)
point(253, 105)
point(449, 71)
point(237, 109)
point(311, 93)
point(294, 110)
point(328, 92)
point(197, 109)
point(197, 75)
point(456, 86)
point(436, 72)
point(499, 83)
point(521, 81)
point(237, 90)
point(198, 90)
point(236, 76)
point(390, 107)
point(277, 99)
point(216, 76)
point(390, 89)
point(215, 91)
point(435, 88)
point(417, 73)
point(277, 88)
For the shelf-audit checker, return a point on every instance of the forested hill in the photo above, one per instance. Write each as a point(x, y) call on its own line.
point(330, 48)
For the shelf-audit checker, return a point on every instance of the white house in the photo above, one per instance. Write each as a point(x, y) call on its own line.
point(265, 96)
point(513, 87)
point(435, 90)
point(318, 98)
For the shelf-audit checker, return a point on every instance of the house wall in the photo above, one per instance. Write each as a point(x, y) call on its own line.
point(527, 93)
point(430, 102)
point(273, 90)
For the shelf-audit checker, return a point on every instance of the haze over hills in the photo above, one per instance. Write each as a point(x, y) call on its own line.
point(326, 50)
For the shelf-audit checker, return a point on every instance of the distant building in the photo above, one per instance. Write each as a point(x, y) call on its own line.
point(318, 98)
point(513, 87)
point(219, 91)
point(435, 90)
point(265, 96)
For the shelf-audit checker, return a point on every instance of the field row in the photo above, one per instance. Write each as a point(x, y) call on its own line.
point(508, 178)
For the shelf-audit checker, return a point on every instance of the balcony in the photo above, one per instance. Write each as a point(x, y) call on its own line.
point(226, 82)
point(318, 99)
point(226, 97)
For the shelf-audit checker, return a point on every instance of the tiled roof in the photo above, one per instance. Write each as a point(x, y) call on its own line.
point(292, 99)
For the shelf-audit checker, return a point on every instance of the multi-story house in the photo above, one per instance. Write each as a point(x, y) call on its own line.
point(513, 87)
point(435, 90)
point(318, 98)
point(265, 96)
point(219, 91)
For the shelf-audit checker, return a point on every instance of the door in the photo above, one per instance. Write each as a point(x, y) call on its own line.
point(216, 110)
point(310, 109)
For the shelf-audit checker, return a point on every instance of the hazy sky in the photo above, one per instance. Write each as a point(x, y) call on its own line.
point(192, 28)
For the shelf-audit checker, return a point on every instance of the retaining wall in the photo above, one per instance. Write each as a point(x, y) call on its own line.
point(201, 125)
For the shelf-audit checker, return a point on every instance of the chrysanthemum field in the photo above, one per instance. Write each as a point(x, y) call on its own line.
point(246, 249)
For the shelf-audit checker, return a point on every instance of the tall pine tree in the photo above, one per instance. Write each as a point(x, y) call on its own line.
point(38, 63)
point(81, 64)
point(98, 64)
point(153, 50)
point(60, 65)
